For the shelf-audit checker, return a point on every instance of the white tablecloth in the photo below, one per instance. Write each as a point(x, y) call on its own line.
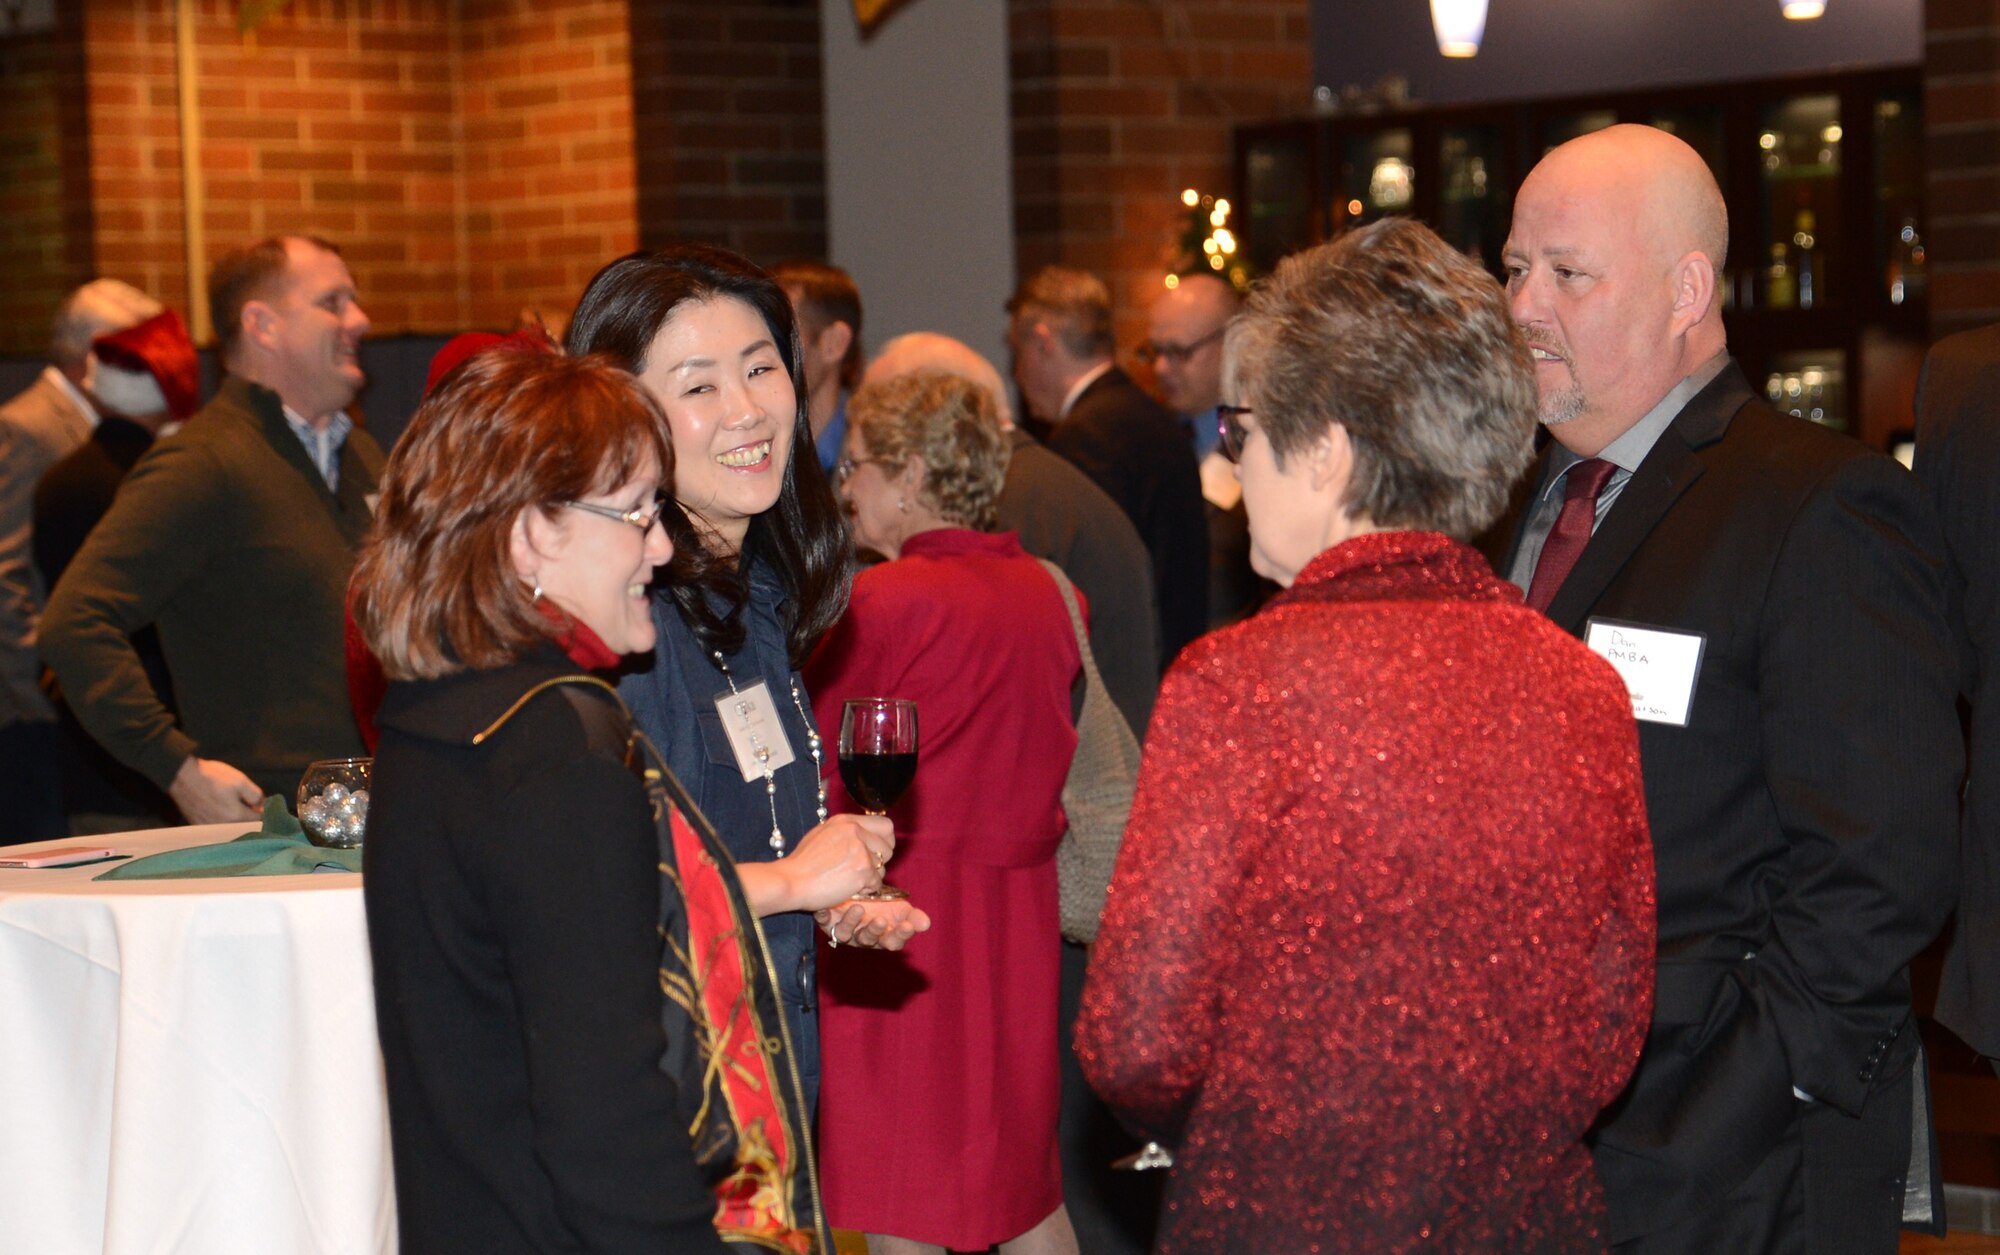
point(188, 1065)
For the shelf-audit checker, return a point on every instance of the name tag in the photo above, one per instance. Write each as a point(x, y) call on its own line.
point(754, 730)
point(1659, 667)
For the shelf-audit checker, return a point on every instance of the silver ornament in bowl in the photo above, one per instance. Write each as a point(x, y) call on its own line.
point(333, 801)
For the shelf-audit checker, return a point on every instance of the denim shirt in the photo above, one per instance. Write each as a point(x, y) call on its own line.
point(674, 704)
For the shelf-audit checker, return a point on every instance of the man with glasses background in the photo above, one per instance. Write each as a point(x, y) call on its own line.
point(1183, 345)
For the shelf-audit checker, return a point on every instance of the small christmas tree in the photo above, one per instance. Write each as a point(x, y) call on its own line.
point(1208, 243)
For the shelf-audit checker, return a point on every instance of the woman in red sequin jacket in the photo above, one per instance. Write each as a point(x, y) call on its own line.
point(1380, 943)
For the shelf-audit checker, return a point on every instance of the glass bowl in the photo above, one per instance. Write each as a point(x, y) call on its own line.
point(333, 802)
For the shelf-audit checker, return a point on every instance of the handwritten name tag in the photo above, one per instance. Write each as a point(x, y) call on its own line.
point(1659, 667)
point(751, 723)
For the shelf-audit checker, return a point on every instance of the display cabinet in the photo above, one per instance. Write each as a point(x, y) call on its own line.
point(1824, 290)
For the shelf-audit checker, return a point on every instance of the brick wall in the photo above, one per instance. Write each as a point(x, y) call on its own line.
point(1962, 121)
point(471, 157)
point(549, 177)
point(1118, 106)
point(336, 117)
point(730, 124)
point(44, 180)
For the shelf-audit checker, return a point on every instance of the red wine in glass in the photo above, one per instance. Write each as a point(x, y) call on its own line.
point(878, 757)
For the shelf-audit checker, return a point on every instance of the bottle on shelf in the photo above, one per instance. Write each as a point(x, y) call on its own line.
point(1780, 289)
point(1907, 277)
point(1805, 264)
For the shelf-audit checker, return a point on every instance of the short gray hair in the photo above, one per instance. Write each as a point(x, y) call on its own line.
point(1408, 345)
point(98, 308)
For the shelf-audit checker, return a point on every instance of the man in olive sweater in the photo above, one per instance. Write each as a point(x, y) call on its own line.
point(234, 539)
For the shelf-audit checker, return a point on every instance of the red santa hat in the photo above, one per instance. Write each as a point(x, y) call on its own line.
point(148, 367)
point(473, 343)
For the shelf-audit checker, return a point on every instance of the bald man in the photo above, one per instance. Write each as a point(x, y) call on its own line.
point(38, 428)
point(1775, 597)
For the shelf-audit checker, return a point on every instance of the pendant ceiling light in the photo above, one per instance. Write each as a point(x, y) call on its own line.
point(1803, 10)
point(1460, 25)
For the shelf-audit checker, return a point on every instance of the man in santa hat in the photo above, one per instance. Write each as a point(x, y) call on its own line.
point(52, 416)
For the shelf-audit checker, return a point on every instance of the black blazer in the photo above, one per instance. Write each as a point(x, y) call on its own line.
point(1958, 462)
point(513, 896)
point(1803, 817)
point(1137, 453)
point(1064, 517)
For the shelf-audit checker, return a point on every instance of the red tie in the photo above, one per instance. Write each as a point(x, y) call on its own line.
point(1572, 530)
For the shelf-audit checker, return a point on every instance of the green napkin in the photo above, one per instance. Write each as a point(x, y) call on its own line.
point(279, 848)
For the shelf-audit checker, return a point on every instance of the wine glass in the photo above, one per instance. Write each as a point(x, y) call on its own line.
point(878, 759)
point(333, 801)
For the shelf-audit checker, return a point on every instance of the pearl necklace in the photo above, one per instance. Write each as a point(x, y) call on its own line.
point(763, 753)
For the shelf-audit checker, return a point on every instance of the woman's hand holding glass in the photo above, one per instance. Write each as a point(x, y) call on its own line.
point(837, 860)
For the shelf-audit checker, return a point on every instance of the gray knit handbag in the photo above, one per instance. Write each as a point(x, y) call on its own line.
point(1097, 796)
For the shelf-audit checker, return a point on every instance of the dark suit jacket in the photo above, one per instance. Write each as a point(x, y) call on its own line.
point(1135, 451)
point(1803, 817)
point(1958, 462)
point(1065, 518)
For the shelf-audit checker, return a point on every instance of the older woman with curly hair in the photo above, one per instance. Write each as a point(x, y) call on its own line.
point(939, 1091)
point(1379, 945)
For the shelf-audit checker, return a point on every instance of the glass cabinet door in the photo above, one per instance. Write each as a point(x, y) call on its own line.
point(1702, 130)
point(1378, 177)
point(1811, 385)
point(1899, 199)
point(1473, 186)
point(1799, 141)
point(1564, 127)
point(1277, 186)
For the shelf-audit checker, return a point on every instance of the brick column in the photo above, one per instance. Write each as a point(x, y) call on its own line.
point(1118, 106)
point(730, 124)
point(549, 193)
point(1962, 151)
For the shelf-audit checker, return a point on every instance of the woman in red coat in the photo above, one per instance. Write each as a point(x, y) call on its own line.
point(1379, 946)
point(938, 1086)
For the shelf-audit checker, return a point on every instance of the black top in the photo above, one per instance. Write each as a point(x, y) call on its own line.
point(1135, 451)
point(77, 490)
point(513, 913)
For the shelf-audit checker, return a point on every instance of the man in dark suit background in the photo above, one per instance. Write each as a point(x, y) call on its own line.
point(1958, 462)
point(1777, 598)
point(1060, 332)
